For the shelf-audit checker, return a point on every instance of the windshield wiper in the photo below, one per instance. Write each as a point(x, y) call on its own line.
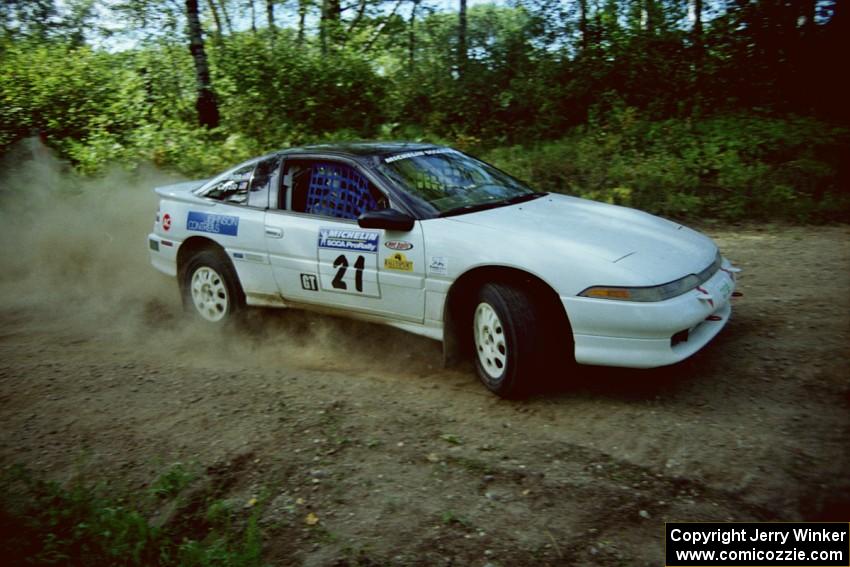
point(491, 204)
point(524, 197)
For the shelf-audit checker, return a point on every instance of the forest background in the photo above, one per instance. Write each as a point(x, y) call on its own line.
point(728, 109)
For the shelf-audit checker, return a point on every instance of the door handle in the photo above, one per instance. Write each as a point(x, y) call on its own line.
point(273, 232)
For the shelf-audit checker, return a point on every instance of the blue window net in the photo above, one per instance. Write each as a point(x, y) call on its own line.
point(337, 190)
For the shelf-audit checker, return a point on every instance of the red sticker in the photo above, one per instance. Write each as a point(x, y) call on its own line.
point(708, 295)
point(166, 222)
point(398, 245)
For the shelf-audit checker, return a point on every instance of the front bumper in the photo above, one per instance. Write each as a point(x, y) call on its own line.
point(646, 335)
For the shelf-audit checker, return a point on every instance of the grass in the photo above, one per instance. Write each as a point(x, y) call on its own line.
point(173, 481)
point(45, 523)
point(451, 518)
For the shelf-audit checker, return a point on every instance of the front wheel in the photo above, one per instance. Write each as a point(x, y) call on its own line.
point(211, 288)
point(505, 340)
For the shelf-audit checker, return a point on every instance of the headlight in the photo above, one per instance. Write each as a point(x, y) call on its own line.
point(654, 293)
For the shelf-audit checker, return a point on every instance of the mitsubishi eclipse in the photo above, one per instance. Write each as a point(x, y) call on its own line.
point(433, 241)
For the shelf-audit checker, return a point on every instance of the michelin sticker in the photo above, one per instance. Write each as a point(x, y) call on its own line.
point(408, 155)
point(215, 224)
point(353, 240)
point(398, 261)
point(439, 266)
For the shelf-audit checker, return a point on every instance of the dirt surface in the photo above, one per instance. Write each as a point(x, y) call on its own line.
point(399, 460)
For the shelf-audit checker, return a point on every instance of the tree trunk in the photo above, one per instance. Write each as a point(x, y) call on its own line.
point(361, 10)
point(582, 24)
point(610, 31)
point(302, 16)
point(253, 16)
point(216, 17)
point(378, 32)
point(809, 11)
point(270, 16)
point(411, 45)
point(205, 104)
point(697, 47)
point(224, 12)
point(648, 15)
point(696, 32)
point(696, 35)
point(329, 23)
point(461, 39)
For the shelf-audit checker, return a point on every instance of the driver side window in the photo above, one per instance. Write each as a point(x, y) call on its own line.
point(328, 188)
point(233, 186)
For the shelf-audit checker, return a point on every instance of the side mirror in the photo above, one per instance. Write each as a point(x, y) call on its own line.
point(388, 219)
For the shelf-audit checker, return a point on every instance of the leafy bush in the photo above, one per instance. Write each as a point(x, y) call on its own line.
point(64, 92)
point(195, 152)
point(730, 167)
point(280, 93)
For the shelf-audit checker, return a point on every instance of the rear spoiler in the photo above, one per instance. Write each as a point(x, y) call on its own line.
point(182, 191)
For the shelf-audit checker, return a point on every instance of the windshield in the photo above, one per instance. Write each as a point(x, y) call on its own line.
point(452, 182)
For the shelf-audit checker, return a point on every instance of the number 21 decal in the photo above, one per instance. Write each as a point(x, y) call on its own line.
point(342, 250)
point(341, 264)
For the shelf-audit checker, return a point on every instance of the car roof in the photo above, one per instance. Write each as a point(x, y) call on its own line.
point(361, 149)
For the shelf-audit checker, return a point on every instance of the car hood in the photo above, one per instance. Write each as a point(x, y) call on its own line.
point(654, 248)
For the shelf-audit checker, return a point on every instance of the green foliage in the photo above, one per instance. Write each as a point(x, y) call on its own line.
point(731, 167)
point(172, 481)
point(280, 93)
point(630, 107)
point(505, 91)
point(64, 92)
point(44, 523)
point(193, 151)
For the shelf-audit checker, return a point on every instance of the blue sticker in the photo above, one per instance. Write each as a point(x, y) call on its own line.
point(216, 224)
point(343, 239)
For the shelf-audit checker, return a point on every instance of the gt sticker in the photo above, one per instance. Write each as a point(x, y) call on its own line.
point(398, 245)
point(352, 240)
point(398, 261)
point(439, 266)
point(215, 224)
point(166, 222)
point(309, 282)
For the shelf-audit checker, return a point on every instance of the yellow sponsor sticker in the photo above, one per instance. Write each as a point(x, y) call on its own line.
point(398, 261)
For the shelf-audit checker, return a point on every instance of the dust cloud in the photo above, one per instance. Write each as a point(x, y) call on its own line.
point(75, 260)
point(74, 245)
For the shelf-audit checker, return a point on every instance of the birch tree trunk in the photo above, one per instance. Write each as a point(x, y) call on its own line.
point(205, 104)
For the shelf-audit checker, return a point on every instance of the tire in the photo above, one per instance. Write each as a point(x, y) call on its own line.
point(211, 289)
point(505, 339)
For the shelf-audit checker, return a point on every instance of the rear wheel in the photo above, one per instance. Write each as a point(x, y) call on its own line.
point(211, 288)
point(507, 349)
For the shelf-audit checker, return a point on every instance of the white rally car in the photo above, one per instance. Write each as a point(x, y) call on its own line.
point(435, 242)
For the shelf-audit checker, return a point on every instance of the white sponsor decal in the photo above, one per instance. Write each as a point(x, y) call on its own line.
point(439, 266)
point(356, 240)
